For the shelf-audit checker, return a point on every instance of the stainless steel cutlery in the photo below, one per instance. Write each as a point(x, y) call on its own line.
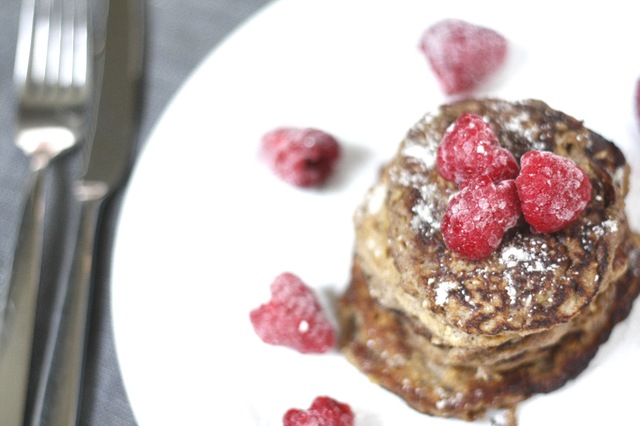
point(68, 98)
point(53, 71)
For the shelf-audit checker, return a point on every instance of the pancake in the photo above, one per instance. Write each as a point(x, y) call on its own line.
point(455, 337)
point(396, 353)
point(536, 280)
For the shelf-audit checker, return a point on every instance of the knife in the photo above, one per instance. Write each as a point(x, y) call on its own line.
point(59, 392)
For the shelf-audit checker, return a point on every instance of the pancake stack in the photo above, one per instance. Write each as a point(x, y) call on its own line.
point(456, 337)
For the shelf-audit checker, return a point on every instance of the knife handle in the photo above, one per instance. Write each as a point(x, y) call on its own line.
point(18, 316)
point(58, 399)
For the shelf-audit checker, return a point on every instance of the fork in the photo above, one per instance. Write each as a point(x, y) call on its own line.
point(53, 73)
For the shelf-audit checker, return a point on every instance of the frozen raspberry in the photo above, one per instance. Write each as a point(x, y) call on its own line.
point(303, 157)
point(324, 411)
point(478, 216)
point(293, 317)
point(470, 149)
point(462, 55)
point(553, 190)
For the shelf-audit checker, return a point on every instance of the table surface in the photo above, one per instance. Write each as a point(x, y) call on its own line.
point(170, 26)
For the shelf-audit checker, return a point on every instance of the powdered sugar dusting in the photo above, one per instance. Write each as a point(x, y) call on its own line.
point(423, 210)
point(425, 154)
point(600, 230)
point(530, 258)
point(534, 257)
point(405, 178)
point(442, 291)
point(521, 124)
point(450, 401)
point(511, 291)
point(420, 148)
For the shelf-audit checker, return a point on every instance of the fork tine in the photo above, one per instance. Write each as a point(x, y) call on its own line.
point(68, 33)
point(24, 43)
point(39, 55)
point(81, 44)
point(54, 40)
point(53, 53)
point(75, 42)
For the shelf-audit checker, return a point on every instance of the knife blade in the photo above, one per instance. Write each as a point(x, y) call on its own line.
point(109, 161)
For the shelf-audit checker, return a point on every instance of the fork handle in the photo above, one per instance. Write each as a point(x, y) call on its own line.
point(59, 398)
point(18, 319)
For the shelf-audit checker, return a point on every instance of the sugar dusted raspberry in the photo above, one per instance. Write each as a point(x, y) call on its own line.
point(503, 166)
point(478, 216)
point(324, 411)
point(304, 157)
point(470, 148)
point(293, 317)
point(553, 190)
point(461, 54)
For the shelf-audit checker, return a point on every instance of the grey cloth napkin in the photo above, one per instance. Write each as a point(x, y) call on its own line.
point(178, 36)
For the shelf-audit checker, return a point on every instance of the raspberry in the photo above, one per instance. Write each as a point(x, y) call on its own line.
point(302, 157)
point(293, 317)
point(324, 411)
point(553, 190)
point(461, 54)
point(478, 216)
point(470, 149)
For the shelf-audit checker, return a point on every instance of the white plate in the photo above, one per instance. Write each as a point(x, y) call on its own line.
point(206, 227)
